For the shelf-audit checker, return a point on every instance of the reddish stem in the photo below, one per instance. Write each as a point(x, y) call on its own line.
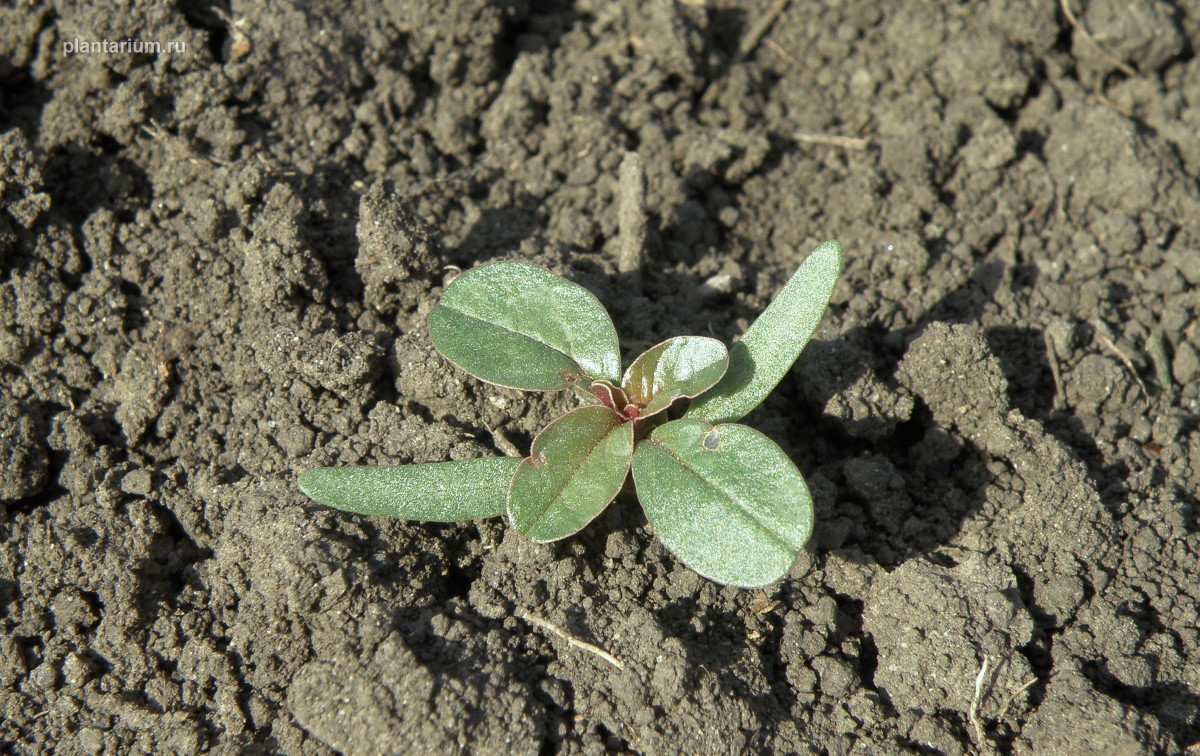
point(638, 430)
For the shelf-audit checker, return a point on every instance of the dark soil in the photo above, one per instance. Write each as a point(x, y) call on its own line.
point(215, 267)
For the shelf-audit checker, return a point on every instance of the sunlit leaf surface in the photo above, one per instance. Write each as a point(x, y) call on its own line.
point(438, 491)
point(576, 467)
point(724, 499)
point(521, 326)
point(678, 367)
point(765, 354)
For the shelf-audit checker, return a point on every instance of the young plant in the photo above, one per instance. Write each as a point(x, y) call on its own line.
point(721, 496)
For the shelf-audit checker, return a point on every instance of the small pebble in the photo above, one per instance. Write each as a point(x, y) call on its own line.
point(1186, 364)
point(138, 483)
point(716, 286)
point(45, 676)
point(77, 670)
point(1140, 430)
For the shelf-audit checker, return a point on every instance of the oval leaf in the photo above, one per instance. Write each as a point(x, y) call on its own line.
point(678, 367)
point(464, 489)
point(724, 499)
point(521, 326)
point(765, 353)
point(576, 468)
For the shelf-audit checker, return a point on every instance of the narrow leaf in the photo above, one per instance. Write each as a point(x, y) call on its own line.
point(521, 326)
point(464, 489)
point(678, 367)
point(725, 499)
point(576, 468)
point(764, 355)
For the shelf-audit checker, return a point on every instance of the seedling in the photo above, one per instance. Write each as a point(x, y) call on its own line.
point(723, 497)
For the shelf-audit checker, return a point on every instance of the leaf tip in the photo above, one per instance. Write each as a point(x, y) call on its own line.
point(308, 481)
point(831, 248)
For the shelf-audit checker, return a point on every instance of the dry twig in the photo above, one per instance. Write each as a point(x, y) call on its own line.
point(1083, 32)
point(753, 35)
point(1110, 343)
point(759, 28)
point(502, 442)
point(631, 214)
point(549, 627)
point(178, 146)
point(1054, 370)
point(973, 711)
point(849, 143)
point(1016, 693)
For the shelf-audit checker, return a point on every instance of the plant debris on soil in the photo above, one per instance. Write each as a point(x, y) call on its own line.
point(216, 259)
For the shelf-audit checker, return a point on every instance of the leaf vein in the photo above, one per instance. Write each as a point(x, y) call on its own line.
point(570, 477)
point(530, 336)
point(732, 499)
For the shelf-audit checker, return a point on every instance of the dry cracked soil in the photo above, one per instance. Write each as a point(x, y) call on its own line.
point(216, 259)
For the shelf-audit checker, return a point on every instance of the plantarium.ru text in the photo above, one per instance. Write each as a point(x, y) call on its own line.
point(721, 496)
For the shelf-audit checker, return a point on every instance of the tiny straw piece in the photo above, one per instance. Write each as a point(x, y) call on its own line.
point(178, 146)
point(759, 28)
point(1122, 66)
point(501, 441)
point(973, 711)
point(833, 140)
point(748, 43)
point(553, 629)
point(1105, 334)
point(1017, 694)
point(1055, 370)
point(631, 214)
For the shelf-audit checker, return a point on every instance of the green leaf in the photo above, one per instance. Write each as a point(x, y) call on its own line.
point(678, 367)
point(465, 489)
point(576, 467)
point(725, 499)
point(521, 326)
point(765, 353)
